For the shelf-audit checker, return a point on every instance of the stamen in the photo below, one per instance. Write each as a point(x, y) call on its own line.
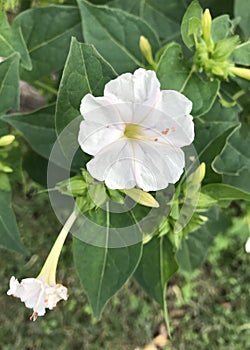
point(34, 316)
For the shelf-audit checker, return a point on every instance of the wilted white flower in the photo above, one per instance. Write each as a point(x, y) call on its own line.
point(37, 294)
point(43, 292)
point(135, 132)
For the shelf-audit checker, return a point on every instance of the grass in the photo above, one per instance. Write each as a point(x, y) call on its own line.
point(209, 311)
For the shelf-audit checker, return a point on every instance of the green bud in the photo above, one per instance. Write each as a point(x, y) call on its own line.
point(86, 176)
point(76, 186)
point(146, 49)
point(224, 48)
point(205, 202)
point(116, 195)
point(206, 22)
point(241, 72)
point(97, 193)
point(194, 180)
point(5, 168)
point(6, 140)
point(217, 70)
point(142, 197)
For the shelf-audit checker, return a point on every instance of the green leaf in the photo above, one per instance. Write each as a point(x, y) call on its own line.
point(241, 55)
point(195, 247)
point(3, 128)
point(47, 32)
point(85, 72)
point(37, 128)
point(115, 34)
point(224, 194)
point(156, 267)
point(202, 93)
point(188, 30)
point(241, 9)
point(12, 41)
point(9, 235)
point(9, 83)
point(4, 182)
point(30, 165)
point(99, 2)
point(174, 72)
point(214, 128)
point(234, 160)
point(131, 6)
point(221, 27)
point(164, 17)
point(103, 271)
point(173, 68)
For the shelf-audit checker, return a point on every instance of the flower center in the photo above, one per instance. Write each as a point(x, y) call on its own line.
point(133, 131)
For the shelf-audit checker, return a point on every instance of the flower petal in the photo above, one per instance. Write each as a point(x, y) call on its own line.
point(157, 165)
point(14, 285)
point(55, 294)
point(148, 165)
point(95, 136)
point(139, 87)
point(37, 294)
point(247, 245)
point(114, 164)
point(31, 292)
point(173, 119)
point(174, 104)
point(100, 110)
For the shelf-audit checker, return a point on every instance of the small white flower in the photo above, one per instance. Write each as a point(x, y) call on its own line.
point(247, 245)
point(135, 132)
point(37, 294)
point(43, 292)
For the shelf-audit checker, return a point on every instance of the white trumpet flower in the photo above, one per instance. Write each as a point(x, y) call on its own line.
point(43, 292)
point(135, 132)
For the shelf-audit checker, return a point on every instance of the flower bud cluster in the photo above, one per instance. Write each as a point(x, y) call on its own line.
point(213, 57)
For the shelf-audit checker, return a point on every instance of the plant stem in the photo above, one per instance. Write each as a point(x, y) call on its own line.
point(46, 87)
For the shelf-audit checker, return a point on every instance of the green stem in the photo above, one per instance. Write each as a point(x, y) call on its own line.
point(192, 70)
point(46, 87)
point(238, 95)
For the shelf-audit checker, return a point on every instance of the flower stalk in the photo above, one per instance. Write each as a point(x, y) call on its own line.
point(48, 271)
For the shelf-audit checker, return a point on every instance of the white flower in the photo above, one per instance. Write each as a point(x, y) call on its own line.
point(135, 132)
point(247, 245)
point(43, 292)
point(37, 294)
